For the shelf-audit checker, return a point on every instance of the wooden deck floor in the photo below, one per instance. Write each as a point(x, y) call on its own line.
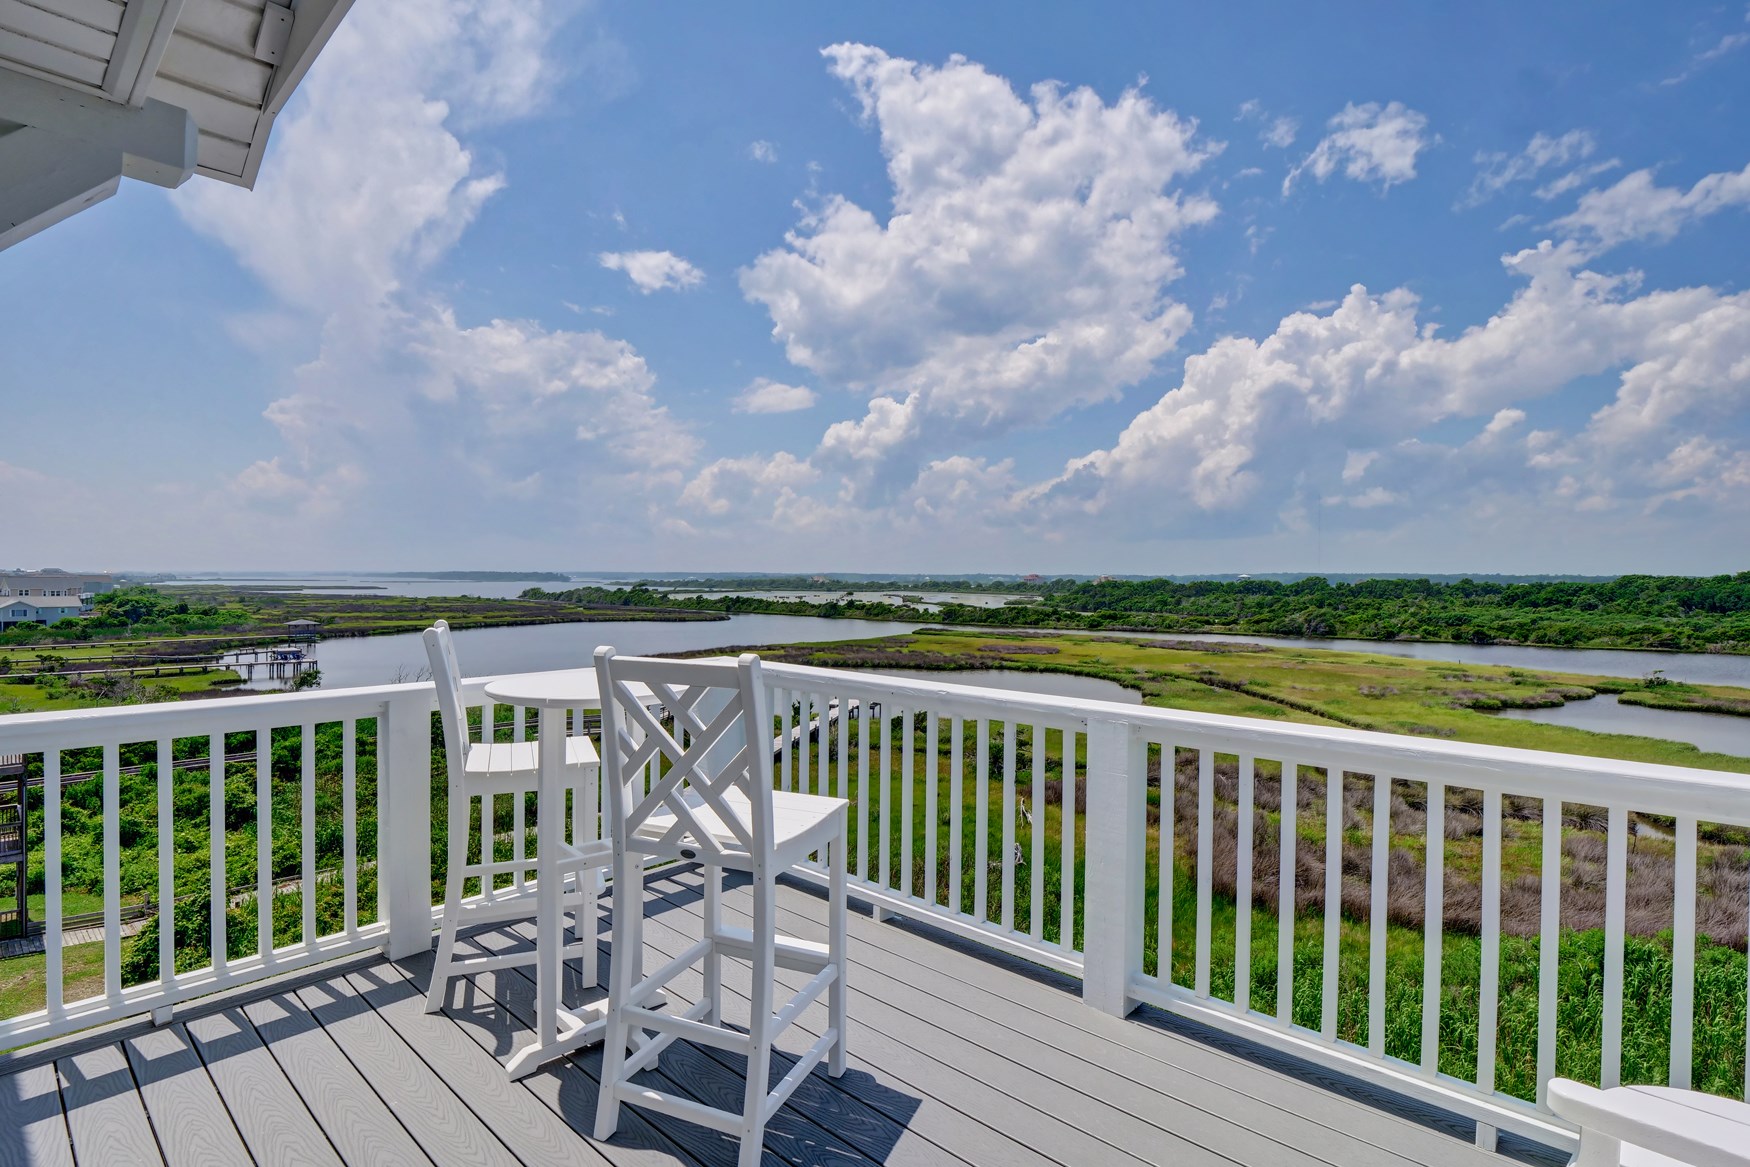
point(956, 1059)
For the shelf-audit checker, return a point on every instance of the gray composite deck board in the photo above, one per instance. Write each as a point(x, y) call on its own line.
point(273, 1121)
point(825, 1123)
point(899, 1073)
point(494, 1009)
point(445, 1129)
point(360, 1126)
point(104, 1113)
point(1331, 1127)
point(531, 1131)
point(516, 991)
point(190, 1118)
point(30, 1113)
point(956, 1059)
point(880, 1115)
point(1020, 1098)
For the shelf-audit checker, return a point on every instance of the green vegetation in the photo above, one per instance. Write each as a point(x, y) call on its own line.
point(1313, 686)
point(244, 614)
point(135, 611)
point(1678, 613)
point(82, 847)
point(22, 978)
point(146, 644)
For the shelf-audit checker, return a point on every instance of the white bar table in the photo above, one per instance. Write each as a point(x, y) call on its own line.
point(557, 1030)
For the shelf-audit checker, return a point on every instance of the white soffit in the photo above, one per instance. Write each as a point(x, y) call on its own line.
point(232, 64)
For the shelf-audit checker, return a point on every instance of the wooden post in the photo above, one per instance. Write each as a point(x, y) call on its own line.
point(1114, 858)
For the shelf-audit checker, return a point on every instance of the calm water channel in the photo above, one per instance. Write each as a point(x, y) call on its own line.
point(1695, 667)
point(378, 660)
point(377, 585)
point(1719, 732)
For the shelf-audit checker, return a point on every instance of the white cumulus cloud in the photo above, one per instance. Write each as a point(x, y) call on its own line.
point(768, 396)
point(407, 415)
point(763, 151)
point(1368, 143)
point(1335, 408)
point(652, 271)
point(1637, 207)
point(1021, 272)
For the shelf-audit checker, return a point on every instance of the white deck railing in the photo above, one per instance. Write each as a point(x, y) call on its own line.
point(339, 746)
point(1116, 930)
point(1045, 827)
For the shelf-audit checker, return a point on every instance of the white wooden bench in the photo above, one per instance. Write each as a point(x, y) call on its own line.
point(1653, 1126)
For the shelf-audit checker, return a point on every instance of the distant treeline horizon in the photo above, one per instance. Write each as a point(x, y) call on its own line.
point(1680, 613)
point(979, 582)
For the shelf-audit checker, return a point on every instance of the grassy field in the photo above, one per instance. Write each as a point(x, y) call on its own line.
point(22, 978)
point(1311, 686)
point(33, 697)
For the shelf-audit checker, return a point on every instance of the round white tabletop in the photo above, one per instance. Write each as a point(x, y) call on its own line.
point(561, 689)
point(564, 689)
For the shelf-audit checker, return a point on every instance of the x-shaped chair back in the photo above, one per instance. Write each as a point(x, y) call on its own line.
point(718, 773)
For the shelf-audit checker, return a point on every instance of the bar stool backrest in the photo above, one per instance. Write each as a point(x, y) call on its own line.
point(440, 651)
point(712, 730)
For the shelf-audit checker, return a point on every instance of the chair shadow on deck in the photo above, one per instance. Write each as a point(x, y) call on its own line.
point(856, 1118)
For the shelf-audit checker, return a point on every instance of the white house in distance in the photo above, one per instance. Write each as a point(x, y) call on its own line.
point(49, 595)
point(40, 609)
point(92, 91)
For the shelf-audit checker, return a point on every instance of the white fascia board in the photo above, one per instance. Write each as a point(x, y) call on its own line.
point(49, 178)
point(156, 143)
point(313, 22)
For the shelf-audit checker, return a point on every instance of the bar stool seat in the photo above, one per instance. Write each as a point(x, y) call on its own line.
point(485, 770)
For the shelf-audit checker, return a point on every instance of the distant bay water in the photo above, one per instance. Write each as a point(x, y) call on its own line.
point(377, 660)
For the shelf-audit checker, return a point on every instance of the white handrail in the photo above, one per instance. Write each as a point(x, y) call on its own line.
point(1117, 742)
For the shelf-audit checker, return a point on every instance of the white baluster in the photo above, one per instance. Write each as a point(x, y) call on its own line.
point(1433, 926)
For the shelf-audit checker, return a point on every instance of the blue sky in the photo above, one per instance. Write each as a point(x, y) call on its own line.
point(976, 287)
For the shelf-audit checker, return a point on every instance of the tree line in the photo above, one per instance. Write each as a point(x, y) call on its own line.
point(1679, 613)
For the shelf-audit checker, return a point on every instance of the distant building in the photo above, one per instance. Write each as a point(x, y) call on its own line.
point(52, 582)
point(38, 609)
point(1035, 577)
